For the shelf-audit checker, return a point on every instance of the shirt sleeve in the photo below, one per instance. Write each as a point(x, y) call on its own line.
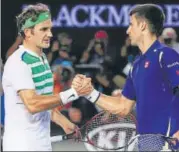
point(170, 64)
point(21, 76)
point(129, 90)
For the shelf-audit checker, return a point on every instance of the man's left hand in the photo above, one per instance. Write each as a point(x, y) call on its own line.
point(176, 135)
point(69, 128)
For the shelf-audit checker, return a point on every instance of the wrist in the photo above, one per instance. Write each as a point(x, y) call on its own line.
point(68, 96)
point(93, 96)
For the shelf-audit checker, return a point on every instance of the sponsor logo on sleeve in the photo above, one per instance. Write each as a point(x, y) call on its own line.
point(172, 65)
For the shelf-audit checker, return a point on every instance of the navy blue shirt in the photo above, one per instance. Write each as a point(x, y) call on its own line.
point(150, 83)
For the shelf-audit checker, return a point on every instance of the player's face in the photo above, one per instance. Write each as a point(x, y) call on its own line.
point(42, 34)
point(134, 30)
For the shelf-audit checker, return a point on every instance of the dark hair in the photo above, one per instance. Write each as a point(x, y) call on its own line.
point(87, 108)
point(153, 14)
point(30, 11)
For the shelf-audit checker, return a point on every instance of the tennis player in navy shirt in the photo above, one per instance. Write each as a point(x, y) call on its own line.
point(153, 81)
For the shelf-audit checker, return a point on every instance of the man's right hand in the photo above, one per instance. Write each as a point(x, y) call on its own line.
point(69, 128)
point(82, 85)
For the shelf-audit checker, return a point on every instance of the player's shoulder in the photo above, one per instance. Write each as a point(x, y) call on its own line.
point(166, 49)
point(15, 59)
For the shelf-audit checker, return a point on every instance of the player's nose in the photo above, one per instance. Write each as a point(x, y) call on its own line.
point(50, 34)
point(128, 31)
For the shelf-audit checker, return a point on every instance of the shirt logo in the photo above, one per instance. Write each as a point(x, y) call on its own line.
point(173, 64)
point(147, 63)
point(71, 96)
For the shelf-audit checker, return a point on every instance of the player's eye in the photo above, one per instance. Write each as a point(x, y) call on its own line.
point(44, 29)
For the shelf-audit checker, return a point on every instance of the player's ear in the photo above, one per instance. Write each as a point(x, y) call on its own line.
point(27, 32)
point(143, 25)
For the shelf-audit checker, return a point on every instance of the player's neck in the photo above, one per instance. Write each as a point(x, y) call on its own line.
point(146, 42)
point(33, 48)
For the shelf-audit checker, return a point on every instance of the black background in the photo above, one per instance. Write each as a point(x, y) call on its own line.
point(81, 36)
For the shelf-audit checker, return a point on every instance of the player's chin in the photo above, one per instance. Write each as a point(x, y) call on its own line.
point(45, 46)
point(133, 43)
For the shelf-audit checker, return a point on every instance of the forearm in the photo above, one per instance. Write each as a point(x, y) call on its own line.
point(116, 105)
point(58, 118)
point(41, 103)
point(37, 103)
point(113, 104)
point(120, 105)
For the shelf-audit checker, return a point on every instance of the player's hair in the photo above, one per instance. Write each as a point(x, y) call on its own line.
point(152, 14)
point(31, 11)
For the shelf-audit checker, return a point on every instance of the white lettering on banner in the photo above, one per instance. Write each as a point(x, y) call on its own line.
point(173, 64)
point(63, 18)
point(95, 18)
point(74, 16)
point(105, 136)
point(172, 13)
point(115, 16)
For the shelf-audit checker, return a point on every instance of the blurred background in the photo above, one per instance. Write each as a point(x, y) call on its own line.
point(89, 37)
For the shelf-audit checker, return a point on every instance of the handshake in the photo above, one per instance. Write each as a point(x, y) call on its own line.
point(81, 86)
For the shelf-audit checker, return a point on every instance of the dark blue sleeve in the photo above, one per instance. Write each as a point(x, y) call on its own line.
point(129, 90)
point(170, 64)
point(175, 112)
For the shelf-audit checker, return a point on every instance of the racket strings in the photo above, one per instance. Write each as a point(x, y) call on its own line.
point(113, 132)
point(150, 142)
point(108, 126)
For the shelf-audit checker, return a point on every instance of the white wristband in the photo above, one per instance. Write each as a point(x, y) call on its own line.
point(68, 96)
point(94, 96)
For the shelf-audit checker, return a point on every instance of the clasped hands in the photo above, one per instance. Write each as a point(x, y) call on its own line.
point(82, 85)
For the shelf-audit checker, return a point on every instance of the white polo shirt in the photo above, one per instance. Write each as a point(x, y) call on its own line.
point(24, 69)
